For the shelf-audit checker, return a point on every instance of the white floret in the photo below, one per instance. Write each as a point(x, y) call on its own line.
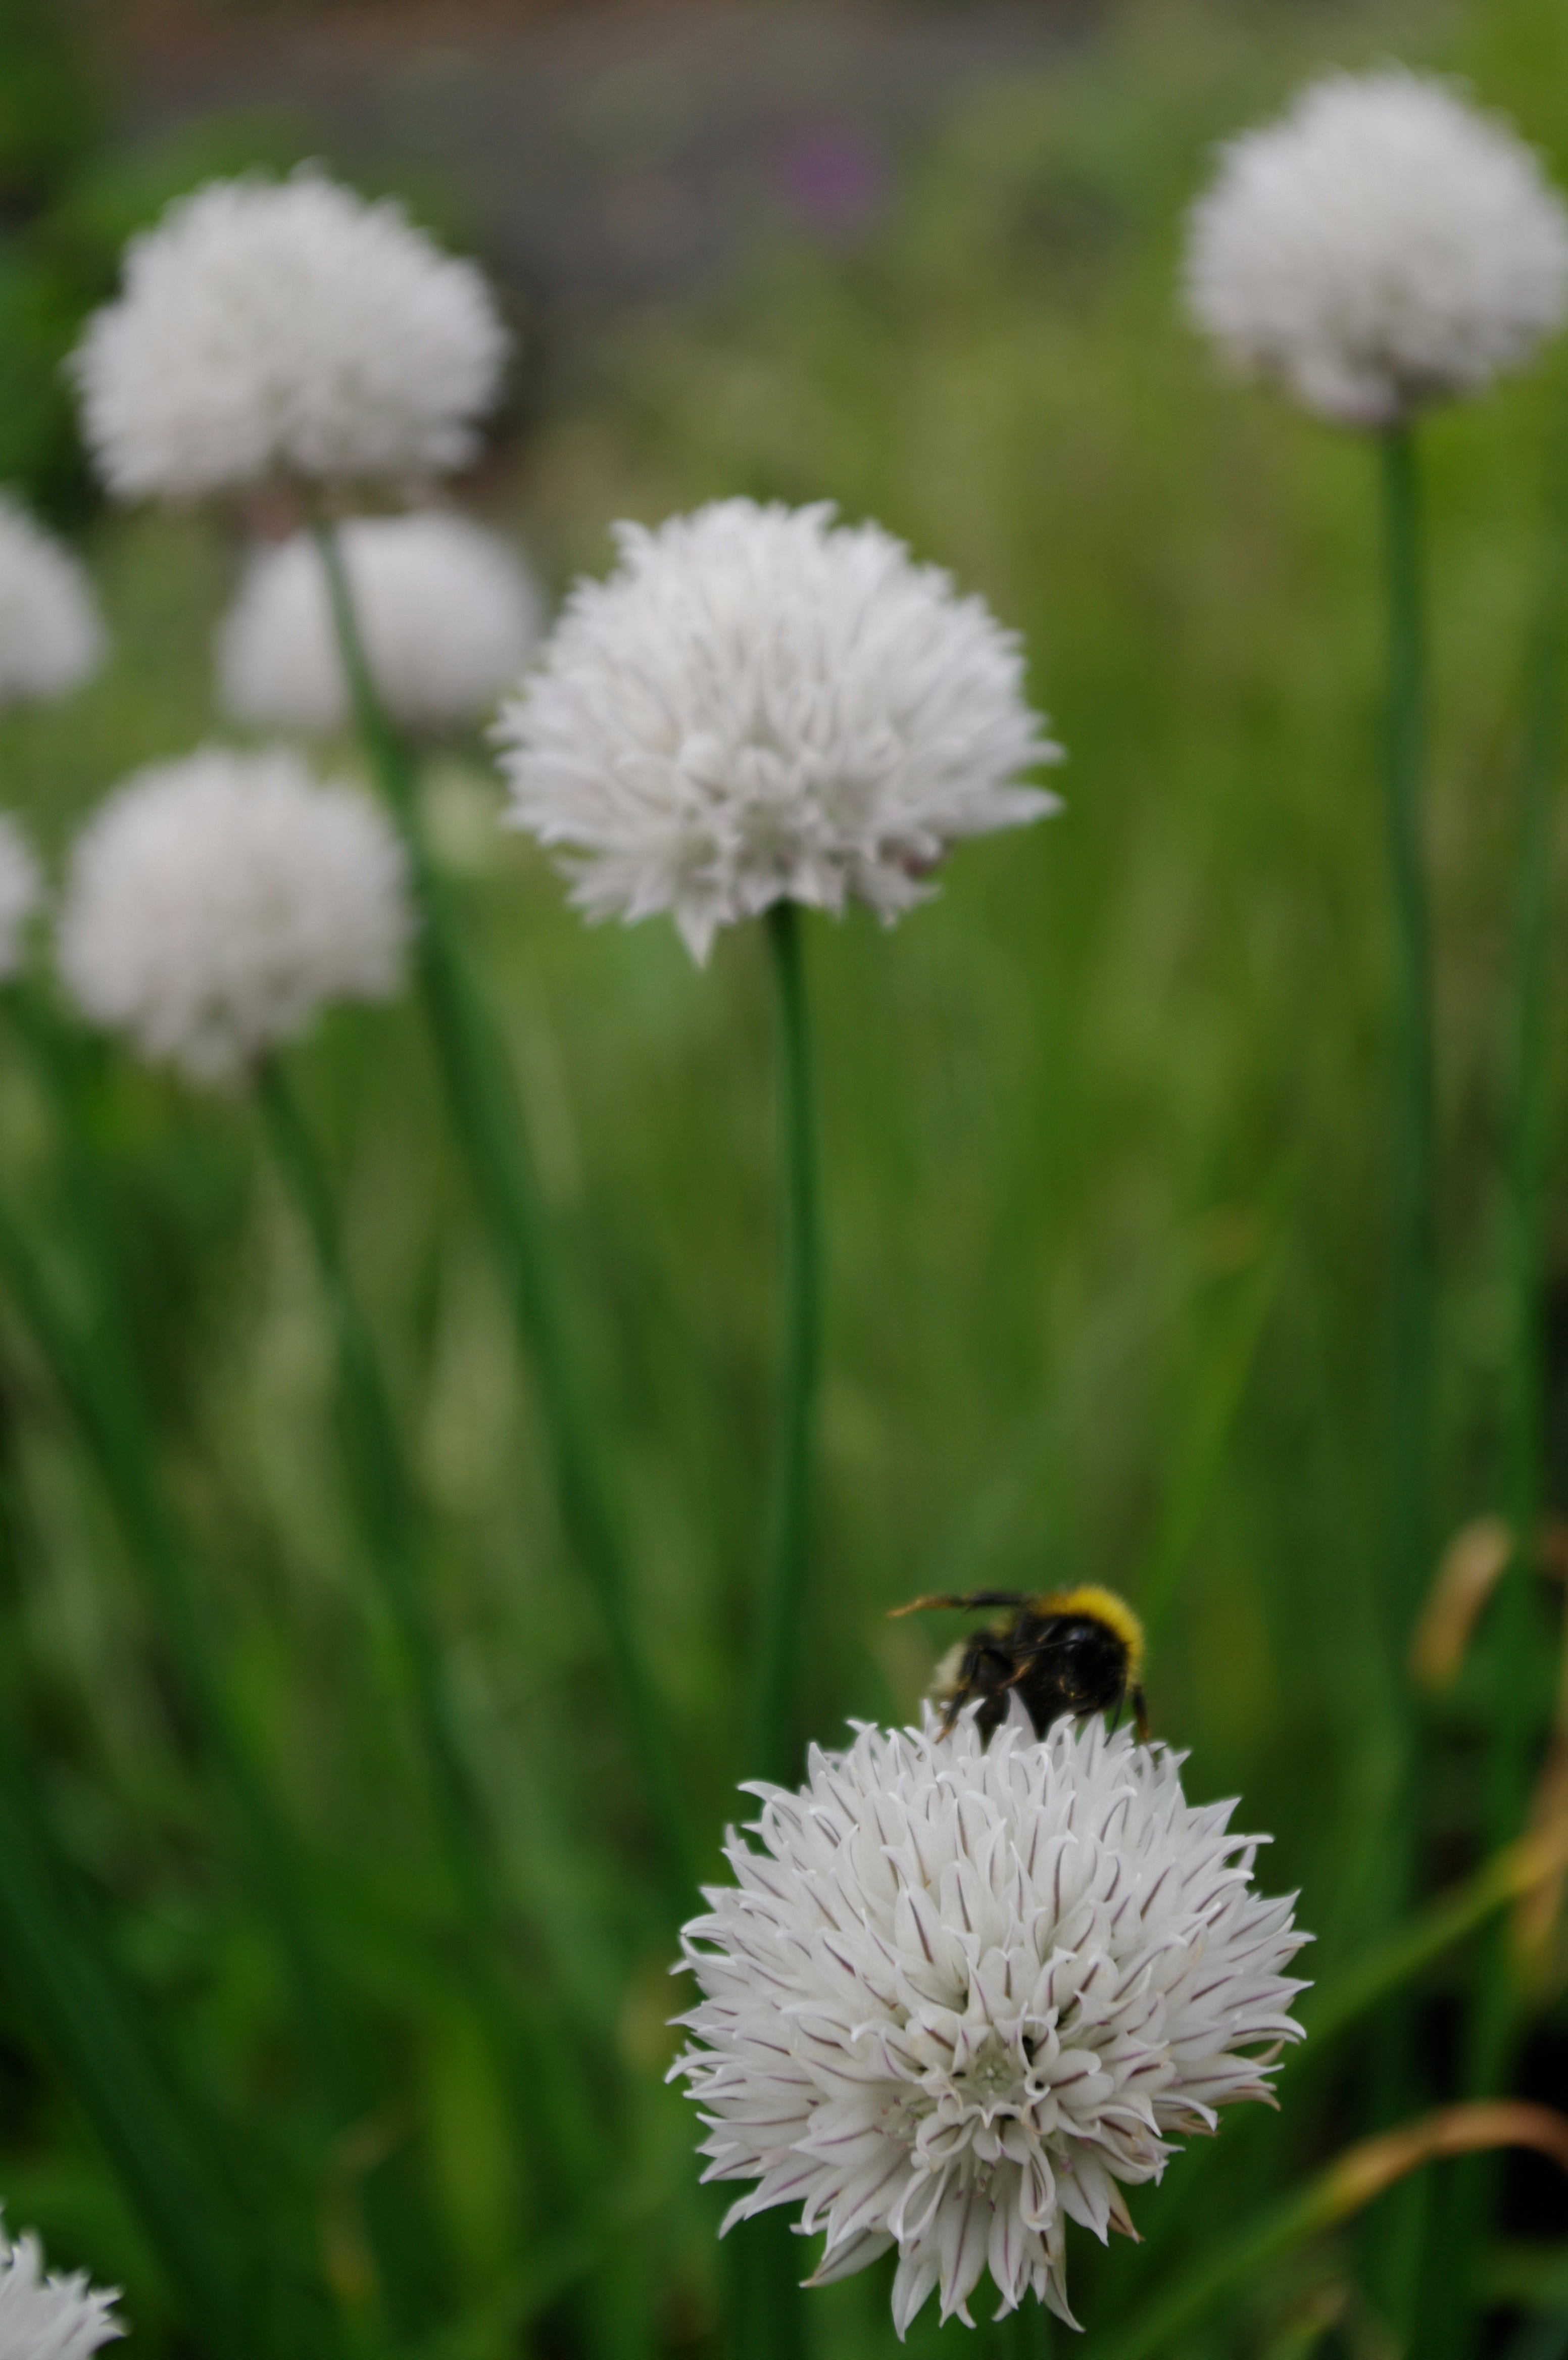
point(51, 2318)
point(1385, 245)
point(285, 328)
point(212, 905)
point(50, 636)
point(447, 612)
point(760, 705)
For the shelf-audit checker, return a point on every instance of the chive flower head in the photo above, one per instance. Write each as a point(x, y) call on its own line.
point(288, 329)
point(965, 1991)
point(759, 705)
point(447, 612)
point(1383, 246)
point(215, 904)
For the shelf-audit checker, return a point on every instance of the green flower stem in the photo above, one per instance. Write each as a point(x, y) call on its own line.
point(97, 1387)
point(530, 2053)
point(1415, 1217)
point(768, 2307)
point(777, 1733)
point(1412, 1256)
point(392, 1514)
point(489, 1124)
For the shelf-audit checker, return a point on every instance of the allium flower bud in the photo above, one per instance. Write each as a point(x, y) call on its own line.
point(966, 1993)
point(50, 2318)
point(447, 612)
point(21, 890)
point(213, 906)
point(285, 328)
point(760, 705)
point(1385, 245)
point(50, 636)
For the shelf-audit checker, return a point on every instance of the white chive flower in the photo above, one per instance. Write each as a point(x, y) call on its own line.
point(760, 706)
point(285, 328)
point(965, 1992)
point(51, 2318)
point(1383, 246)
point(21, 890)
point(50, 636)
point(447, 612)
point(212, 905)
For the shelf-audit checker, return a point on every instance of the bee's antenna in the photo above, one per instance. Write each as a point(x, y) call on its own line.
point(968, 1603)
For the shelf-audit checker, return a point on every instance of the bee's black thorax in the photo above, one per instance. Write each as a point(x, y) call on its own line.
point(1054, 1664)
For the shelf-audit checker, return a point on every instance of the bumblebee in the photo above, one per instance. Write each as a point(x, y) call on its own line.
point(1066, 1651)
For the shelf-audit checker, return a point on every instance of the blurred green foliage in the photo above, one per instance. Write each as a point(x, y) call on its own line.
point(1105, 1153)
point(49, 124)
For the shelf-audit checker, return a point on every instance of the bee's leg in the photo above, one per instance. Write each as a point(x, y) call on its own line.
point(1140, 1712)
point(970, 1688)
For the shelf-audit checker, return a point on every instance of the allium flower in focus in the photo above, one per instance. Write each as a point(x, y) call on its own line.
point(50, 636)
point(285, 328)
point(447, 612)
point(965, 1994)
point(49, 2318)
point(760, 705)
point(21, 890)
point(213, 906)
point(1383, 246)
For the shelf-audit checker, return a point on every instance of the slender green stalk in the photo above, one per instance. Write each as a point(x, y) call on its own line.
point(1412, 1249)
point(392, 1514)
point(768, 2310)
point(1415, 1187)
point(489, 1119)
point(777, 1734)
point(530, 2055)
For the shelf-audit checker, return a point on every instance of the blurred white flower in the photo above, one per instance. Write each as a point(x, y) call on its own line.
point(964, 1992)
point(285, 328)
point(762, 706)
point(447, 612)
point(1384, 245)
point(212, 905)
point(50, 636)
point(50, 2318)
point(21, 890)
